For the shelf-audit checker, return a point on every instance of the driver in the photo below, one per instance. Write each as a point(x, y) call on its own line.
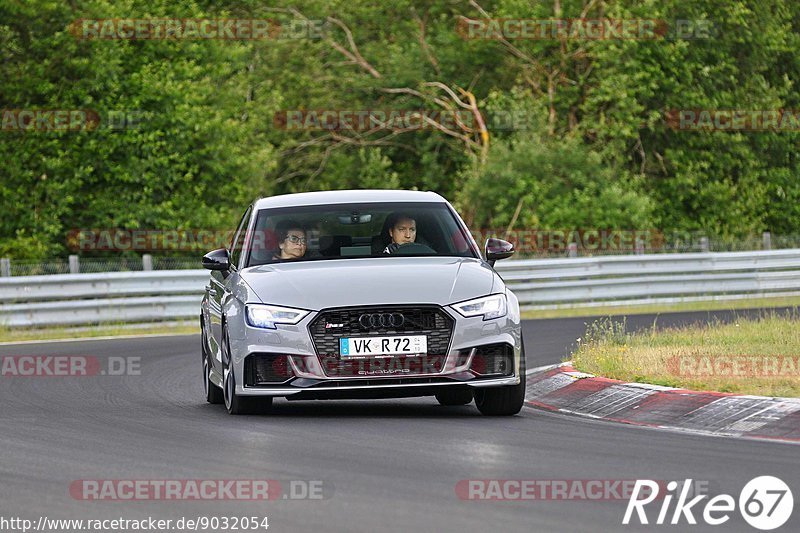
point(292, 243)
point(402, 230)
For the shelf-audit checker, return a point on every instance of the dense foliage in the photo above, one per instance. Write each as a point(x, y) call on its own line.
point(590, 146)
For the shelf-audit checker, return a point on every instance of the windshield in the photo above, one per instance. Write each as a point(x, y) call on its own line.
point(351, 231)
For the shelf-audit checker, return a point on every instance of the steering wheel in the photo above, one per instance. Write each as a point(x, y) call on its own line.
point(413, 248)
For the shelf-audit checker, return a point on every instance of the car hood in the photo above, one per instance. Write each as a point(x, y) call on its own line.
point(316, 285)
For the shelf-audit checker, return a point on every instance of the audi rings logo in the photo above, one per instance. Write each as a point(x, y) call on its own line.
point(381, 320)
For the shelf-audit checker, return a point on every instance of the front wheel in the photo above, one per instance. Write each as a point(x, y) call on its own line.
point(243, 405)
point(213, 393)
point(503, 401)
point(234, 403)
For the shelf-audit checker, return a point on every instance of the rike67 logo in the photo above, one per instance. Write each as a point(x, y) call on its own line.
point(765, 503)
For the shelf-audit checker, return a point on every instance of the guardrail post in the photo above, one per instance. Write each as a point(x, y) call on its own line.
point(703, 244)
point(572, 249)
point(74, 265)
point(766, 239)
point(5, 267)
point(147, 262)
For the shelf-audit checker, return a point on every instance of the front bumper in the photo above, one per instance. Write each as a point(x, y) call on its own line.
point(308, 379)
point(376, 388)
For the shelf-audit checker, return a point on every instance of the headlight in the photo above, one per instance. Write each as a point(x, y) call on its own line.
point(267, 316)
point(493, 306)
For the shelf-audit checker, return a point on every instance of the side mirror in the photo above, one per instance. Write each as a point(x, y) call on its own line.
point(217, 260)
point(497, 249)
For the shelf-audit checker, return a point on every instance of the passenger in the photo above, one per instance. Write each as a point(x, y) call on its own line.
point(292, 243)
point(402, 230)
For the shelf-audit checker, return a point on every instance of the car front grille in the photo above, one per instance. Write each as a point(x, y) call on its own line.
point(334, 324)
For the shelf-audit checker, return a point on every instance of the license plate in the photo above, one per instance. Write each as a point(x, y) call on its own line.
point(372, 346)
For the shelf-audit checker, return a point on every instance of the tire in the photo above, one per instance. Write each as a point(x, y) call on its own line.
point(234, 403)
point(503, 401)
point(454, 397)
point(213, 393)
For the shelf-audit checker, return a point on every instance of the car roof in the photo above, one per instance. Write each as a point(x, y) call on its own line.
point(347, 197)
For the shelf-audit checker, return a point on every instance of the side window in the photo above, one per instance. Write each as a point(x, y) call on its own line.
point(238, 239)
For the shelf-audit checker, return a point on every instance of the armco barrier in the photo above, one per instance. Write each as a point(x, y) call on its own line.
point(74, 299)
point(659, 278)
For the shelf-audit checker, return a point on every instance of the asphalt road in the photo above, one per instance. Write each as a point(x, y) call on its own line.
point(389, 465)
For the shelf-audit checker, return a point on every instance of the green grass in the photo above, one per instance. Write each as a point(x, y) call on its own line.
point(749, 356)
point(612, 310)
point(8, 334)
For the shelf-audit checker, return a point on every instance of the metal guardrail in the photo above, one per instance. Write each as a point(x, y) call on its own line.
point(645, 279)
point(75, 299)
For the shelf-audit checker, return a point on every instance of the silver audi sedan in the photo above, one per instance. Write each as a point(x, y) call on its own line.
point(359, 294)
